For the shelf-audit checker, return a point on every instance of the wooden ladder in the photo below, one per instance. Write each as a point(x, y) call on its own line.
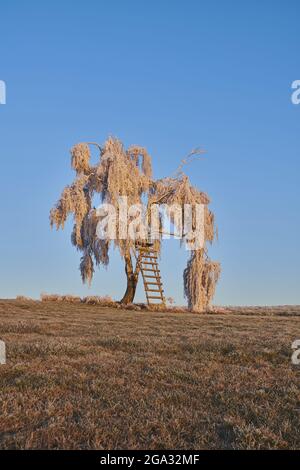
point(148, 263)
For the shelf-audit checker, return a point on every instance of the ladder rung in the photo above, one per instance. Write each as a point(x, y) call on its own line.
point(148, 262)
point(154, 283)
point(151, 257)
point(152, 277)
point(154, 290)
point(152, 270)
point(152, 297)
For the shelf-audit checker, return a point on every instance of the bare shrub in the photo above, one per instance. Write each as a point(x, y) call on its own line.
point(60, 298)
point(96, 300)
point(132, 307)
point(23, 298)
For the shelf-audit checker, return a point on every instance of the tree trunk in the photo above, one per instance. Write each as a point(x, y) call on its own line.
point(132, 279)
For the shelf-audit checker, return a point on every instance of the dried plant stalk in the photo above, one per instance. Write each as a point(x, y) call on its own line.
point(80, 161)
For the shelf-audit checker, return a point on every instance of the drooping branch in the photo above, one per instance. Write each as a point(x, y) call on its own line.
point(200, 278)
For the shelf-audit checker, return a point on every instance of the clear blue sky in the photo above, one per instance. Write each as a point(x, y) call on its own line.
point(168, 75)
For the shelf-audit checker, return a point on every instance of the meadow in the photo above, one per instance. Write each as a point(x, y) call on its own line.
point(82, 376)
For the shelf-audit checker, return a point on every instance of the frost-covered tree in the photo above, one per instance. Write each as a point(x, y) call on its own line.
point(118, 173)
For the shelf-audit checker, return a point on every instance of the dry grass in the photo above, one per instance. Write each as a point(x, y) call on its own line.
point(86, 376)
point(283, 310)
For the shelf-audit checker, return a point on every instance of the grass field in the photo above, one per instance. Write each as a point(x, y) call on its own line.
point(86, 377)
